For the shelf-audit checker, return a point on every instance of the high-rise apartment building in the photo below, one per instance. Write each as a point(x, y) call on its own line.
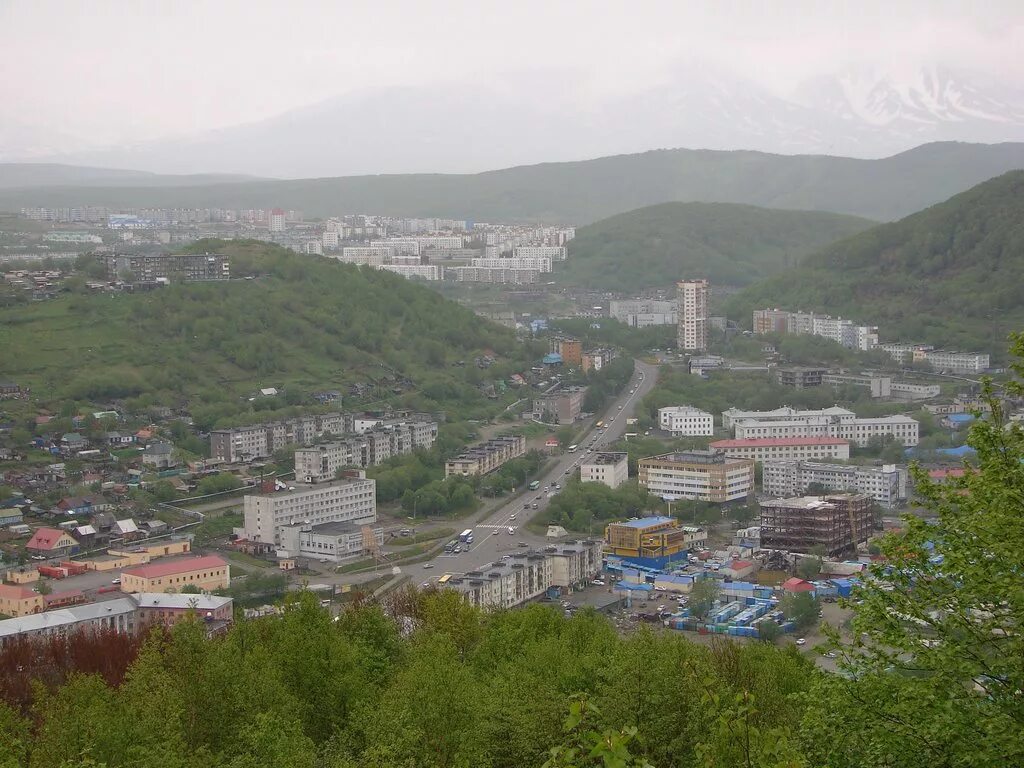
point(276, 220)
point(693, 315)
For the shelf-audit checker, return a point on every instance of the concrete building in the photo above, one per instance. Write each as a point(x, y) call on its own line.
point(704, 475)
point(958, 362)
point(844, 332)
point(499, 275)
point(651, 541)
point(836, 523)
point(562, 406)
point(373, 445)
point(16, 600)
point(887, 484)
point(430, 272)
point(800, 378)
point(371, 255)
point(686, 421)
point(642, 313)
point(216, 612)
point(259, 441)
point(879, 386)
point(276, 220)
point(332, 542)
point(834, 422)
point(571, 350)
point(785, 448)
point(906, 390)
point(172, 267)
point(541, 264)
point(486, 457)
point(207, 572)
point(612, 469)
point(349, 500)
point(692, 335)
point(553, 252)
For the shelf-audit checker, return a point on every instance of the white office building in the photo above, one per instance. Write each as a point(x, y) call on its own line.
point(692, 335)
point(341, 501)
point(887, 484)
point(612, 469)
point(831, 422)
point(643, 313)
point(686, 421)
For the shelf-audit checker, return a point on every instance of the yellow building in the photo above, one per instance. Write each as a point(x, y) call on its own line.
point(20, 601)
point(648, 537)
point(207, 573)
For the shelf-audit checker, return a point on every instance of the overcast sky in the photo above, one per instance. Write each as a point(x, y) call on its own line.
point(108, 71)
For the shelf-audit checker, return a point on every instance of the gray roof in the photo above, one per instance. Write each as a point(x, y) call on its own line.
point(66, 617)
point(182, 601)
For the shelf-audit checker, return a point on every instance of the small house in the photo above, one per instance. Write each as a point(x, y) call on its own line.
point(52, 542)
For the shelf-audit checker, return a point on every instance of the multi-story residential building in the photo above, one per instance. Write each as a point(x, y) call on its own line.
point(372, 446)
point(259, 441)
point(563, 405)
point(836, 523)
point(420, 271)
point(686, 421)
point(704, 475)
point(208, 572)
point(880, 386)
point(907, 390)
point(642, 313)
point(800, 378)
point(887, 484)
point(276, 220)
point(541, 264)
point(501, 275)
point(835, 422)
point(215, 612)
point(692, 333)
point(486, 457)
point(612, 469)
point(785, 448)
point(330, 239)
point(768, 321)
point(371, 255)
point(188, 267)
point(571, 350)
point(348, 500)
point(958, 362)
point(844, 332)
point(331, 541)
point(553, 252)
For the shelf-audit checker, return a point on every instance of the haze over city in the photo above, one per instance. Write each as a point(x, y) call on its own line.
point(320, 88)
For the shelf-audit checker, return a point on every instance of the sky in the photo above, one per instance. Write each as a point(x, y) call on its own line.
point(104, 71)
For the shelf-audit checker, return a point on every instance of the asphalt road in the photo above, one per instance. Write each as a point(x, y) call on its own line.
point(491, 538)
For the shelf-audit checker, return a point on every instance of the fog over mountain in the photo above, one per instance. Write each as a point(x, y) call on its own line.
point(468, 128)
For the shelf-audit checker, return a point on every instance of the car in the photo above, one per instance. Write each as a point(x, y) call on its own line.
point(457, 549)
point(38, 557)
point(513, 515)
point(661, 608)
point(428, 565)
point(115, 581)
point(540, 497)
point(568, 472)
point(511, 530)
point(620, 407)
point(801, 641)
point(526, 505)
point(660, 589)
point(535, 505)
point(557, 486)
point(597, 583)
point(522, 544)
point(830, 655)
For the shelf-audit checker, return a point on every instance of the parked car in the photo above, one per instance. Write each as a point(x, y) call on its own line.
point(801, 641)
point(115, 581)
point(428, 565)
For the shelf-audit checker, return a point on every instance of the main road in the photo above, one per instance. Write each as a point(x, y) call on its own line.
point(491, 536)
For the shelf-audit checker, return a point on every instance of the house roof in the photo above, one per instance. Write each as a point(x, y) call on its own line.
point(12, 592)
point(942, 474)
point(770, 442)
point(181, 601)
point(46, 538)
point(174, 566)
point(127, 526)
point(797, 585)
point(59, 597)
point(85, 530)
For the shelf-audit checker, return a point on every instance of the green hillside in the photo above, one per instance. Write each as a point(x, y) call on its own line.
point(304, 324)
point(583, 192)
point(952, 275)
point(726, 243)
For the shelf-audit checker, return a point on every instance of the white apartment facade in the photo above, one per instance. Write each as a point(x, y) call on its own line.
point(346, 501)
point(763, 449)
point(371, 255)
point(430, 272)
point(686, 421)
point(334, 542)
point(553, 252)
point(887, 484)
point(834, 422)
point(643, 313)
point(692, 334)
point(540, 263)
point(710, 476)
point(497, 275)
point(612, 469)
point(259, 441)
point(372, 446)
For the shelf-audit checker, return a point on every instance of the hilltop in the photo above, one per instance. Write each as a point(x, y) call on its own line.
point(302, 323)
point(585, 191)
point(949, 275)
point(728, 244)
point(27, 175)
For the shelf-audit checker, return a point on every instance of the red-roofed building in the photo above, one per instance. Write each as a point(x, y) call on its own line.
point(761, 448)
point(208, 573)
point(64, 599)
point(52, 542)
point(20, 601)
point(942, 475)
point(739, 569)
point(797, 585)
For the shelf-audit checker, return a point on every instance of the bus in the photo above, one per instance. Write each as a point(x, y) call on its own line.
point(445, 579)
point(572, 448)
point(599, 424)
point(535, 485)
point(466, 536)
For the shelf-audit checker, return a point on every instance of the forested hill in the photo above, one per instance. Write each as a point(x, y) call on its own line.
point(952, 275)
point(586, 191)
point(302, 323)
point(726, 243)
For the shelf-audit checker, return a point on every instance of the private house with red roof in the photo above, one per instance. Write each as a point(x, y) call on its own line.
point(208, 573)
point(20, 601)
point(52, 542)
point(797, 585)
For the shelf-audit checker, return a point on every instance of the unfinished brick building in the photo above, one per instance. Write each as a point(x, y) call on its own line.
point(837, 522)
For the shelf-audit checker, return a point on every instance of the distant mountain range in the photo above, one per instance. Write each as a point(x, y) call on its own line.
point(726, 243)
point(29, 175)
point(583, 192)
point(464, 128)
point(949, 275)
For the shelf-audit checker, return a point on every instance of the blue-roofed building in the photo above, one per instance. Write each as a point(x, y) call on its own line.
point(957, 420)
point(552, 358)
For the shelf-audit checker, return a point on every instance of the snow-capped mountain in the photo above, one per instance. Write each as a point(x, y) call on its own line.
point(465, 128)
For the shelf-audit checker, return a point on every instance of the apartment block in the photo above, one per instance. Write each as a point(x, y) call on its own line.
point(371, 255)
point(349, 500)
point(763, 449)
point(887, 484)
point(703, 475)
point(486, 457)
point(686, 421)
point(844, 332)
point(612, 469)
point(331, 541)
point(208, 572)
point(906, 390)
point(167, 266)
point(800, 378)
point(836, 523)
point(692, 334)
point(562, 406)
point(541, 264)
point(259, 441)
point(374, 445)
point(499, 275)
point(553, 252)
point(430, 272)
point(958, 362)
point(834, 422)
point(571, 350)
point(642, 313)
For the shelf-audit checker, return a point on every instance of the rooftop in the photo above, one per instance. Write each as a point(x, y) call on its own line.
point(65, 616)
point(606, 458)
point(181, 601)
point(645, 522)
point(175, 565)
